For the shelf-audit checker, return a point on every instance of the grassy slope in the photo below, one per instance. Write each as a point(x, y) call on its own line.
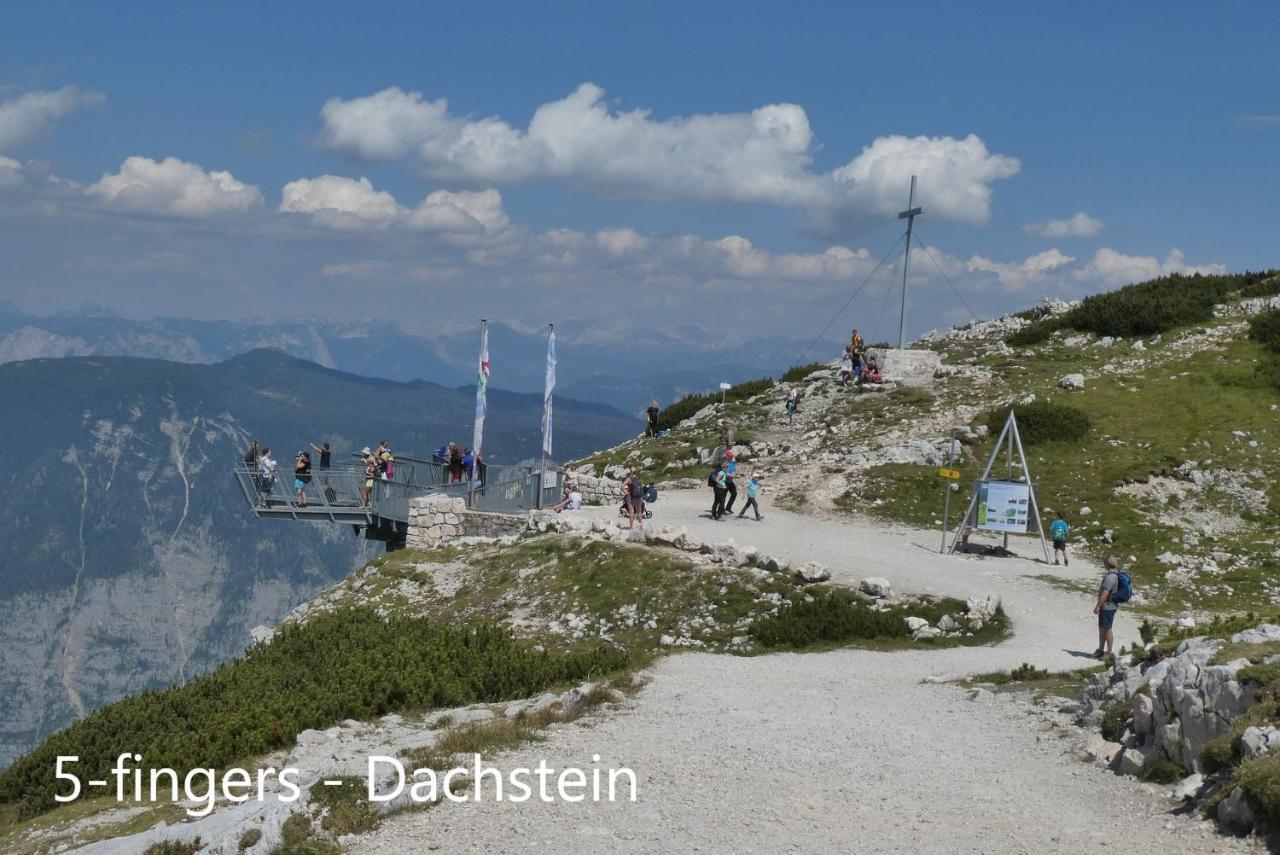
point(1174, 409)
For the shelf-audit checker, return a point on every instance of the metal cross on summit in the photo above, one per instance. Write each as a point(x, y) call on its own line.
point(910, 216)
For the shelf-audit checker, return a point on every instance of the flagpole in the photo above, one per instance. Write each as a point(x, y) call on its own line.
point(477, 434)
point(546, 408)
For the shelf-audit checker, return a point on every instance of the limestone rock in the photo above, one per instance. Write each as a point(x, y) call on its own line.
point(1234, 812)
point(1074, 382)
point(876, 586)
point(811, 571)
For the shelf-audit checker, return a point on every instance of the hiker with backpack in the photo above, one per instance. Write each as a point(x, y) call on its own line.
point(1116, 588)
point(718, 482)
point(730, 473)
point(651, 425)
point(1059, 530)
point(793, 403)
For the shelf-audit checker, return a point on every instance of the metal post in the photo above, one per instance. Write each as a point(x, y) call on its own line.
point(542, 473)
point(946, 491)
point(1009, 473)
point(475, 451)
point(910, 216)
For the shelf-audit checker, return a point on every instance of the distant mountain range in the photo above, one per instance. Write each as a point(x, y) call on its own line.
point(625, 369)
point(131, 560)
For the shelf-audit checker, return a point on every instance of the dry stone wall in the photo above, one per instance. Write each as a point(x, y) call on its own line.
point(438, 519)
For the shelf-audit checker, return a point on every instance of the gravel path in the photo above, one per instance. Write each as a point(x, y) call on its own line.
point(847, 751)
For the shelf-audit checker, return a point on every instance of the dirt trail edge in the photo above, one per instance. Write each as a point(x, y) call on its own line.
point(847, 751)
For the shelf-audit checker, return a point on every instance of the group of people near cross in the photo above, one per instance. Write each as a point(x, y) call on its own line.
point(857, 366)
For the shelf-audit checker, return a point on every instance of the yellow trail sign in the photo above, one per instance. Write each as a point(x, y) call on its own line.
point(949, 473)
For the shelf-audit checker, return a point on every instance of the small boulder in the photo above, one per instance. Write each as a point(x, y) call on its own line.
point(812, 571)
point(1188, 787)
point(914, 623)
point(1075, 382)
point(1132, 761)
point(876, 586)
point(1234, 812)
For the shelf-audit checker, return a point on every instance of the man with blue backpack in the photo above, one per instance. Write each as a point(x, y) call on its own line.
point(1116, 588)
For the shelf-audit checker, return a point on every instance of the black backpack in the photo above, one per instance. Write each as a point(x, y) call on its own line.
point(711, 479)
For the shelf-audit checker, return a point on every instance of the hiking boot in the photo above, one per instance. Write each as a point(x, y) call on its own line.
point(1099, 654)
point(1067, 562)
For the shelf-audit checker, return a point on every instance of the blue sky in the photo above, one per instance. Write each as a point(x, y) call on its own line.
point(1159, 122)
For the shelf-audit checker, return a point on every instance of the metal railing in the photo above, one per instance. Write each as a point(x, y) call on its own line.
point(338, 493)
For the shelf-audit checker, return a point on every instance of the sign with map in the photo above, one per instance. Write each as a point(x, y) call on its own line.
point(1004, 506)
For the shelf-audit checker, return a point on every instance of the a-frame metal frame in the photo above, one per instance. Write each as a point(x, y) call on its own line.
point(1009, 441)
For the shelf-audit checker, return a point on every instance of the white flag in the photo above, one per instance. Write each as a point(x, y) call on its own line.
point(482, 384)
point(546, 395)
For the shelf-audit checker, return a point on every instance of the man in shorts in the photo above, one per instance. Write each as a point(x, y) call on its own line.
point(1106, 610)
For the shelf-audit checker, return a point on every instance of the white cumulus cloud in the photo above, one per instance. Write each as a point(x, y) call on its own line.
point(955, 175)
point(341, 203)
point(1079, 224)
point(1017, 275)
point(32, 113)
point(1113, 269)
point(333, 201)
point(763, 156)
point(174, 188)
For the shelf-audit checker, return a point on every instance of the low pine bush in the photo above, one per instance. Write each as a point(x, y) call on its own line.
point(690, 404)
point(1042, 421)
point(1151, 307)
point(796, 373)
point(1265, 329)
point(1034, 333)
point(346, 664)
point(1114, 719)
point(832, 616)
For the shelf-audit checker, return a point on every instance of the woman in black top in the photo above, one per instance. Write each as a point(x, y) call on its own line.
point(325, 455)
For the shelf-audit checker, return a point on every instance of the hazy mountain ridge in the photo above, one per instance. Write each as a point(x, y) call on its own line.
point(593, 357)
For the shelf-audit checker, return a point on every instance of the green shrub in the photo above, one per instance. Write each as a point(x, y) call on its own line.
point(690, 404)
point(1042, 421)
point(1159, 305)
point(1266, 284)
point(1265, 329)
point(1114, 720)
point(1027, 671)
point(346, 664)
point(347, 810)
point(1151, 307)
point(1260, 779)
point(832, 616)
point(249, 839)
point(797, 373)
point(174, 847)
point(1163, 771)
point(1034, 333)
point(1218, 753)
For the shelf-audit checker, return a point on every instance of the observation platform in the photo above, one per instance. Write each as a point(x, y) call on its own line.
point(335, 494)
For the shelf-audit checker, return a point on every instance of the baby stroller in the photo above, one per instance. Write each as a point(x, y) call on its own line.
point(650, 495)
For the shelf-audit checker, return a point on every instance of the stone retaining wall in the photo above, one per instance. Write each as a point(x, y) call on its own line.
point(595, 491)
point(439, 519)
point(907, 366)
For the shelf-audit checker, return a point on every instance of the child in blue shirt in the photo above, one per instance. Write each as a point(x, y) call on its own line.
point(753, 490)
point(1059, 530)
